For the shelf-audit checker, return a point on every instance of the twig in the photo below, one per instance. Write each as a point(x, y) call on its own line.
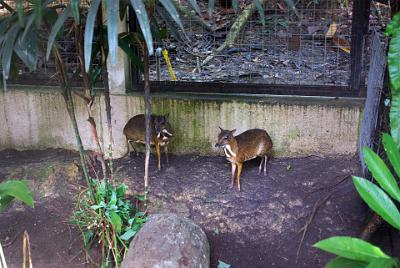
point(235, 29)
point(12, 240)
point(329, 187)
point(304, 229)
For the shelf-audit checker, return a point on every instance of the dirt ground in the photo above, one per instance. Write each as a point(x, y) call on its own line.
point(258, 227)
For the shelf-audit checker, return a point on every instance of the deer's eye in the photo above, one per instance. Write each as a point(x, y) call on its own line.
point(225, 138)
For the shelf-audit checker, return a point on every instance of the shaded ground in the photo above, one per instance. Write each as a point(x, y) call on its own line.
point(258, 227)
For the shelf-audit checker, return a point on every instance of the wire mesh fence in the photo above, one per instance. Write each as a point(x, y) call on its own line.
point(308, 45)
point(305, 45)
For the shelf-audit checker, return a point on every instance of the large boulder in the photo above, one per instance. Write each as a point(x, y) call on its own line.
point(168, 241)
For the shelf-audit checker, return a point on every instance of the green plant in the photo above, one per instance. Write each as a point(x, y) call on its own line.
point(13, 189)
point(111, 219)
point(354, 252)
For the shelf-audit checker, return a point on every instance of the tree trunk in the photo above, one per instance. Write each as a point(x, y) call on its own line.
point(88, 98)
point(104, 75)
point(147, 119)
point(66, 92)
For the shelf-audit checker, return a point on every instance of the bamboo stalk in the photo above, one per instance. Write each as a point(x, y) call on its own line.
point(147, 121)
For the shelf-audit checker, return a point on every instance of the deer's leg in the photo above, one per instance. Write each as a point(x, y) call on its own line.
point(158, 155)
point(133, 147)
point(233, 174)
point(240, 165)
point(260, 167)
point(166, 153)
point(265, 165)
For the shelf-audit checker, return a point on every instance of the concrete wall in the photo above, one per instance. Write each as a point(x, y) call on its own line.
point(37, 119)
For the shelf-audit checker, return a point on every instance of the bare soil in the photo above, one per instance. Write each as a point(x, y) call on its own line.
point(258, 227)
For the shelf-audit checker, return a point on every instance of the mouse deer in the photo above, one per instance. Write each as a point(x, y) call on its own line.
point(243, 147)
point(160, 136)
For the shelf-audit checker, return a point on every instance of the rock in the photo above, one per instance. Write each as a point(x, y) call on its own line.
point(167, 241)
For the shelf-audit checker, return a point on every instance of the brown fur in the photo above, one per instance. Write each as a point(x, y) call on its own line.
point(245, 146)
point(134, 132)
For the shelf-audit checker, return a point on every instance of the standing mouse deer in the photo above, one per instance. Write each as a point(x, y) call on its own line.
point(243, 147)
point(160, 136)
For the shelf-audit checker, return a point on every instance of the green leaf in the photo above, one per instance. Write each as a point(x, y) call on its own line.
point(394, 60)
point(395, 117)
point(222, 264)
point(7, 49)
point(170, 8)
point(37, 10)
point(382, 263)
point(121, 190)
point(56, 28)
point(211, 6)
point(116, 221)
point(381, 173)
point(14, 189)
point(392, 152)
point(340, 262)
point(75, 8)
point(394, 25)
point(20, 11)
point(378, 201)
point(128, 235)
point(195, 6)
point(89, 28)
point(135, 59)
point(112, 28)
point(87, 237)
point(140, 214)
point(260, 10)
point(27, 49)
point(144, 23)
point(28, 26)
point(292, 6)
point(351, 248)
point(113, 199)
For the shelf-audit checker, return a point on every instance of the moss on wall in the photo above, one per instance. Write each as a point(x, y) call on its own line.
point(297, 125)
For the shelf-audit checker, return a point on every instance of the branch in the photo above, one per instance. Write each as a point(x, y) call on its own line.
point(235, 30)
point(193, 17)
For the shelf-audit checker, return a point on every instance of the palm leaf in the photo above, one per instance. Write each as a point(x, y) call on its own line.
point(27, 49)
point(56, 28)
point(37, 10)
point(7, 49)
point(88, 39)
point(112, 29)
point(260, 10)
point(211, 6)
point(170, 8)
point(195, 6)
point(20, 12)
point(144, 23)
point(75, 4)
point(235, 5)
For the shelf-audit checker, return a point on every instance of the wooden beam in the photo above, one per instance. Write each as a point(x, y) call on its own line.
point(359, 29)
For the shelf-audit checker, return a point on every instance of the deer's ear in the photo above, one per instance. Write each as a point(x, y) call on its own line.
point(221, 129)
point(233, 131)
